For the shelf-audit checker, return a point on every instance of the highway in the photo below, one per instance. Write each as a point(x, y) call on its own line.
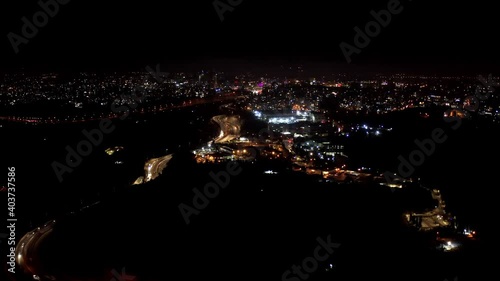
point(230, 128)
point(27, 251)
point(435, 217)
point(154, 167)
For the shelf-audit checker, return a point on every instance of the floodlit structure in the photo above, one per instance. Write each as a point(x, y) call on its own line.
point(285, 117)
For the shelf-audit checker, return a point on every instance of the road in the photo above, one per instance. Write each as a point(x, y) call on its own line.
point(435, 217)
point(28, 247)
point(230, 128)
point(154, 167)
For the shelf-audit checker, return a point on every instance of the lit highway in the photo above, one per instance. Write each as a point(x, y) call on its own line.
point(154, 167)
point(230, 128)
point(27, 251)
point(435, 217)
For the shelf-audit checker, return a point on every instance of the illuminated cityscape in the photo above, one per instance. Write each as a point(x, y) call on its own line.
point(319, 129)
point(229, 140)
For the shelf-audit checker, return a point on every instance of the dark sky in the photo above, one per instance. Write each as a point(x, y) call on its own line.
point(91, 34)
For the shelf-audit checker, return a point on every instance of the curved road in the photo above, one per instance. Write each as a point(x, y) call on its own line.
point(27, 251)
point(155, 166)
point(230, 128)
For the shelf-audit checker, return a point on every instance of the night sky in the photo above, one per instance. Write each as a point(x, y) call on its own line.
point(90, 34)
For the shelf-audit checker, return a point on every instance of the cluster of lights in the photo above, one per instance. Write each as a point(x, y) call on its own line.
point(285, 120)
point(469, 233)
point(449, 246)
